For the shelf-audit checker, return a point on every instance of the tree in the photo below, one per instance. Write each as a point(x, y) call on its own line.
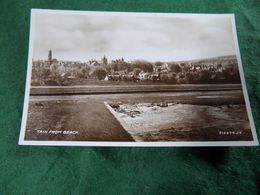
point(46, 73)
point(204, 76)
point(99, 73)
point(219, 66)
point(128, 67)
point(217, 77)
point(108, 69)
point(181, 78)
point(185, 67)
point(174, 67)
point(164, 77)
point(119, 65)
point(148, 67)
point(231, 75)
point(230, 67)
point(189, 77)
point(114, 66)
point(172, 78)
point(136, 71)
point(84, 72)
point(158, 63)
point(143, 65)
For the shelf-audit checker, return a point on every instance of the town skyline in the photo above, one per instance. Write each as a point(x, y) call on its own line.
point(47, 58)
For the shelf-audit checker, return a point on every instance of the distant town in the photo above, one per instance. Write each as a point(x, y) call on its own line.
point(54, 72)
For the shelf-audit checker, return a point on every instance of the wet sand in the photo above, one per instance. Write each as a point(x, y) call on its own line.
point(88, 119)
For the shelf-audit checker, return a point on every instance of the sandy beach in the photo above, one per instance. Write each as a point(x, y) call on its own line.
point(180, 122)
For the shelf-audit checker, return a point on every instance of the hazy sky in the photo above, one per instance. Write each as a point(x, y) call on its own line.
point(149, 37)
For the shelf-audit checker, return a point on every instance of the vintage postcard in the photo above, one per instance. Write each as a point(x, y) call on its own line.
point(135, 79)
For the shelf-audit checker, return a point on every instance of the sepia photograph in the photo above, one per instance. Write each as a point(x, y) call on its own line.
point(135, 79)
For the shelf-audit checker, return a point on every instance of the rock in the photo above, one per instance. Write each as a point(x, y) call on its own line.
point(163, 104)
point(136, 112)
point(39, 104)
point(113, 105)
point(230, 106)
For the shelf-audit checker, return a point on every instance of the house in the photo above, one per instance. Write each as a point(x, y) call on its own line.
point(143, 75)
point(164, 67)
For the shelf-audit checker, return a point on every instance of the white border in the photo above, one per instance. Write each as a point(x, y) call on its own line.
point(127, 144)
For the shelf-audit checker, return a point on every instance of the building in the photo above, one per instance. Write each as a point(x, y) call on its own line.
point(164, 67)
point(50, 57)
point(104, 60)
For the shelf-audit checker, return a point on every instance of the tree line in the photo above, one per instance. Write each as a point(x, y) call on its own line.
point(171, 73)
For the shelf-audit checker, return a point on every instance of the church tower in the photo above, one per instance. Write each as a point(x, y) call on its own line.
point(104, 60)
point(50, 57)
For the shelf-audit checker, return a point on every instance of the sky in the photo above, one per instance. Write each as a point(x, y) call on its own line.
point(154, 37)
